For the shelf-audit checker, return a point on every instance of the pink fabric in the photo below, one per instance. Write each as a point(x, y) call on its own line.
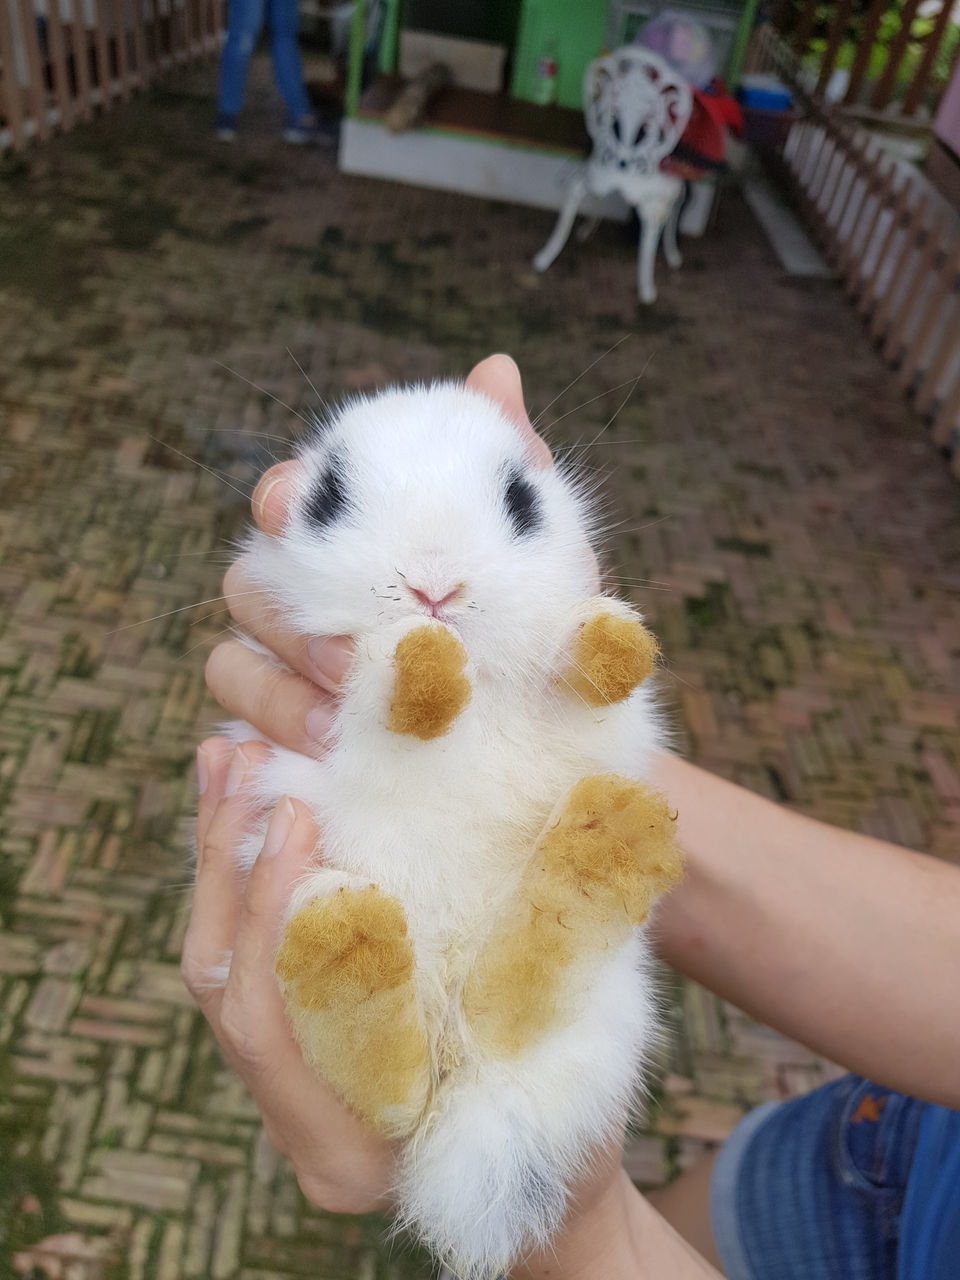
point(946, 125)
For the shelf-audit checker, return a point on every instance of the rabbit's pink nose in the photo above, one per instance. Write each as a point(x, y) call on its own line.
point(429, 602)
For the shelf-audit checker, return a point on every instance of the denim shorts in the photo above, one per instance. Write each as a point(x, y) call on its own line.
point(813, 1188)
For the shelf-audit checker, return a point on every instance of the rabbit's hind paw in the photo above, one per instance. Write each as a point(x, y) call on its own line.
point(345, 967)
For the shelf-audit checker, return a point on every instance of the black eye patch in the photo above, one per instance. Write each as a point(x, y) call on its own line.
point(327, 500)
point(523, 505)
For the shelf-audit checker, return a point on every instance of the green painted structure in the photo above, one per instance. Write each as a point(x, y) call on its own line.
point(574, 31)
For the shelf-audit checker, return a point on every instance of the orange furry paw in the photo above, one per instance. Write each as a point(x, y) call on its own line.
point(346, 947)
point(613, 841)
point(594, 875)
point(345, 968)
point(611, 656)
point(430, 689)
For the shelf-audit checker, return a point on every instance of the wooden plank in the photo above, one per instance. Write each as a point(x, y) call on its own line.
point(151, 39)
point(857, 163)
point(912, 242)
point(881, 189)
point(885, 85)
point(208, 23)
point(946, 428)
point(945, 423)
point(932, 316)
point(781, 14)
point(103, 56)
point(11, 99)
point(821, 173)
point(56, 39)
point(898, 222)
point(190, 27)
point(177, 44)
point(120, 44)
point(931, 47)
point(941, 357)
point(865, 40)
point(802, 31)
point(36, 84)
point(932, 259)
point(835, 37)
point(81, 60)
point(140, 45)
point(931, 250)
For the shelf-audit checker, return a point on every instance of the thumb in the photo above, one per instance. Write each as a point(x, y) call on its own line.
point(252, 1011)
point(271, 497)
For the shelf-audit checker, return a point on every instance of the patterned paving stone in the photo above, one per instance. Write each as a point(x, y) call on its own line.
point(786, 526)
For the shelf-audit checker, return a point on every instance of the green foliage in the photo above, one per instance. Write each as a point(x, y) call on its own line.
point(921, 28)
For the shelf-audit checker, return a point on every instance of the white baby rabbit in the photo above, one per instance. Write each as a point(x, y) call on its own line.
point(466, 963)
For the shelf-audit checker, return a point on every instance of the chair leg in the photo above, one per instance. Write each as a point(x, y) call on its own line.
point(586, 229)
point(650, 229)
point(671, 250)
point(564, 224)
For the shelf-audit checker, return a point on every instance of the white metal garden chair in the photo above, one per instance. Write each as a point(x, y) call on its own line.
point(636, 109)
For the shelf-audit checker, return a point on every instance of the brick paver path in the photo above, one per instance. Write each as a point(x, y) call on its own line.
point(800, 536)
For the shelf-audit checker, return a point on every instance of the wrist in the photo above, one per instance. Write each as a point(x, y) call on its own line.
point(619, 1235)
point(597, 1239)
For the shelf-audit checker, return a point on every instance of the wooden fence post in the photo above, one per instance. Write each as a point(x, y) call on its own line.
point(867, 289)
point(943, 353)
point(120, 43)
point(835, 37)
point(36, 88)
point(912, 241)
point(865, 42)
point(884, 88)
point(81, 59)
point(928, 320)
point(140, 45)
point(930, 251)
point(11, 98)
point(59, 72)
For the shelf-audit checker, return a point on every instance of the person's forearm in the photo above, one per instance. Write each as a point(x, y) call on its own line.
point(620, 1237)
point(847, 944)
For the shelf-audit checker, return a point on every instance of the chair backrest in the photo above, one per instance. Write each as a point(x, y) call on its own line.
point(636, 108)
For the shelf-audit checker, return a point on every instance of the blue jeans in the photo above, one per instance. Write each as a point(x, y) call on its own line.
point(245, 21)
point(819, 1188)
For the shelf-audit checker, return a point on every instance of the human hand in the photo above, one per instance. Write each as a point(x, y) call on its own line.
point(341, 1166)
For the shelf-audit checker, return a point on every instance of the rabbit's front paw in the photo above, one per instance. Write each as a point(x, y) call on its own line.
point(430, 687)
point(612, 653)
point(345, 967)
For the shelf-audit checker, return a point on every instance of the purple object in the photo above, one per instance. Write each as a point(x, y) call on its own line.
point(682, 41)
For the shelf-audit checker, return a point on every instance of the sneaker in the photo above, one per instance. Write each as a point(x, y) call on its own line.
point(302, 132)
point(226, 128)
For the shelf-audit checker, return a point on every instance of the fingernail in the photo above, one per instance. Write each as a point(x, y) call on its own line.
point(260, 496)
point(331, 657)
point(318, 723)
point(203, 772)
point(281, 824)
point(239, 766)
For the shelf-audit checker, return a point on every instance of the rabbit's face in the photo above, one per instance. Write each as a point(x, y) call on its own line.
point(424, 501)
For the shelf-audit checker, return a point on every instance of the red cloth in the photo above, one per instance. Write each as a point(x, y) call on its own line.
point(703, 146)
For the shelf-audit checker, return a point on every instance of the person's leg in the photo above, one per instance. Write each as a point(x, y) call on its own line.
point(283, 20)
point(244, 20)
point(810, 1189)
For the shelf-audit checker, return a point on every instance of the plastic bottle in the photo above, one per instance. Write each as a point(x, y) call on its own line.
point(545, 88)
